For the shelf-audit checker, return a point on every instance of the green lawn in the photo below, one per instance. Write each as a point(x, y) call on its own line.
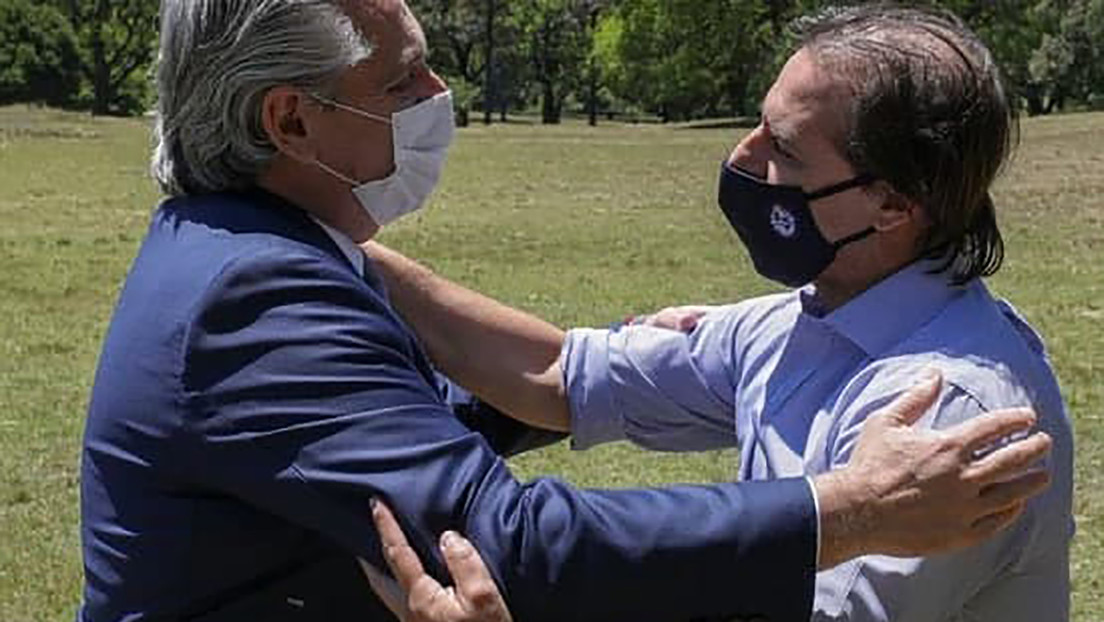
point(581, 226)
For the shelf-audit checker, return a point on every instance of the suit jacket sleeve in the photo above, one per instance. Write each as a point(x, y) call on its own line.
point(306, 398)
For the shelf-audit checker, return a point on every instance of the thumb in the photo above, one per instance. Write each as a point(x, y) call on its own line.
point(912, 404)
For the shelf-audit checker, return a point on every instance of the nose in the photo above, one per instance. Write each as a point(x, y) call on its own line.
point(751, 153)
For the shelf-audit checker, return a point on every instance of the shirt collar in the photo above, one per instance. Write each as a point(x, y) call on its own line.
point(347, 246)
point(891, 310)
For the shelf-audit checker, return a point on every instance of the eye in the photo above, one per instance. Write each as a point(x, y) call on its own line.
point(409, 79)
point(404, 84)
point(777, 146)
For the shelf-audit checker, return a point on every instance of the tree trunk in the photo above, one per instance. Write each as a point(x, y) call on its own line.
point(592, 86)
point(1057, 100)
point(592, 102)
point(101, 73)
point(488, 66)
point(550, 106)
point(1034, 100)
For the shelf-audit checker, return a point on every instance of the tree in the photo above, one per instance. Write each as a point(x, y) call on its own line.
point(686, 58)
point(1049, 50)
point(491, 11)
point(120, 37)
point(39, 56)
point(1074, 58)
point(470, 45)
point(556, 40)
point(594, 9)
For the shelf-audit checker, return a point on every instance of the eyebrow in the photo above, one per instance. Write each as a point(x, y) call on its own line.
point(410, 58)
point(415, 53)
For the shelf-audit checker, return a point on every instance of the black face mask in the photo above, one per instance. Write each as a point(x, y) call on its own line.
point(776, 225)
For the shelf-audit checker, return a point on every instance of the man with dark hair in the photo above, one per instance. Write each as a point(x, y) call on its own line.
point(257, 390)
point(866, 185)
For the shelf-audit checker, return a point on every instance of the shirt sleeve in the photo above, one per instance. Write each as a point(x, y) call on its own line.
point(661, 389)
point(306, 400)
point(879, 588)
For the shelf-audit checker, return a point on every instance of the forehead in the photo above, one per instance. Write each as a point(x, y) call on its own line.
point(807, 102)
point(395, 34)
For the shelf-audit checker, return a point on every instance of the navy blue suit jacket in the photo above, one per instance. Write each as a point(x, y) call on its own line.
point(254, 393)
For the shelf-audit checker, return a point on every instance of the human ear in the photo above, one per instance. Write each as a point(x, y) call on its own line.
point(288, 116)
point(896, 210)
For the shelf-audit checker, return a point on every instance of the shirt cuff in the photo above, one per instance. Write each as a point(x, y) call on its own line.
point(595, 419)
point(816, 507)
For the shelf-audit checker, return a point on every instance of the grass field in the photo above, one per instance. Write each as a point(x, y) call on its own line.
point(581, 226)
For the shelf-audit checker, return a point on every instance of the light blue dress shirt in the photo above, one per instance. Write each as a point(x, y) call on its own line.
point(791, 386)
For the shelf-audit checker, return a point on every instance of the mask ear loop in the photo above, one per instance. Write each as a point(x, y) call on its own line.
point(345, 178)
point(326, 101)
point(350, 109)
point(855, 182)
point(854, 237)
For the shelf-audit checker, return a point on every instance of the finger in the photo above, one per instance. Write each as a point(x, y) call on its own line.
point(691, 316)
point(402, 559)
point(664, 318)
point(990, 427)
point(388, 590)
point(430, 601)
point(1000, 496)
point(912, 404)
point(993, 523)
point(1011, 459)
point(470, 575)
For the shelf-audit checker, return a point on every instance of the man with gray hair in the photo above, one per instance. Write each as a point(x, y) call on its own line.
point(256, 390)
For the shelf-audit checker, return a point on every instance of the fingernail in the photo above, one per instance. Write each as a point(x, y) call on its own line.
point(931, 374)
point(450, 541)
point(374, 504)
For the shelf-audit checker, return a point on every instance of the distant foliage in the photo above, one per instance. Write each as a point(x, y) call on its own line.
point(668, 59)
point(556, 42)
point(683, 59)
point(119, 38)
point(39, 56)
point(1051, 51)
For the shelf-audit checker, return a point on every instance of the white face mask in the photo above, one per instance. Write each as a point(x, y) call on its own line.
point(422, 135)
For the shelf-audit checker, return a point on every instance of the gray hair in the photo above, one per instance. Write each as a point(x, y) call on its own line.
point(218, 60)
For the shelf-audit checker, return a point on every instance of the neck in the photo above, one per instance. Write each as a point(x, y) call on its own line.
point(356, 223)
point(861, 265)
point(836, 288)
point(335, 207)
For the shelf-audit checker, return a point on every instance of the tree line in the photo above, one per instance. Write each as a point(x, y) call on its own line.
point(671, 60)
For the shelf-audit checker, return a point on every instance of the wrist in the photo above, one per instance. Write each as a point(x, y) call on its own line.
point(848, 521)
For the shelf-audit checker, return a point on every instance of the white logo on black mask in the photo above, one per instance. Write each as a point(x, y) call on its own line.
point(783, 222)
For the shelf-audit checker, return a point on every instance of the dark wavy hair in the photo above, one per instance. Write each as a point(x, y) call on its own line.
point(929, 114)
